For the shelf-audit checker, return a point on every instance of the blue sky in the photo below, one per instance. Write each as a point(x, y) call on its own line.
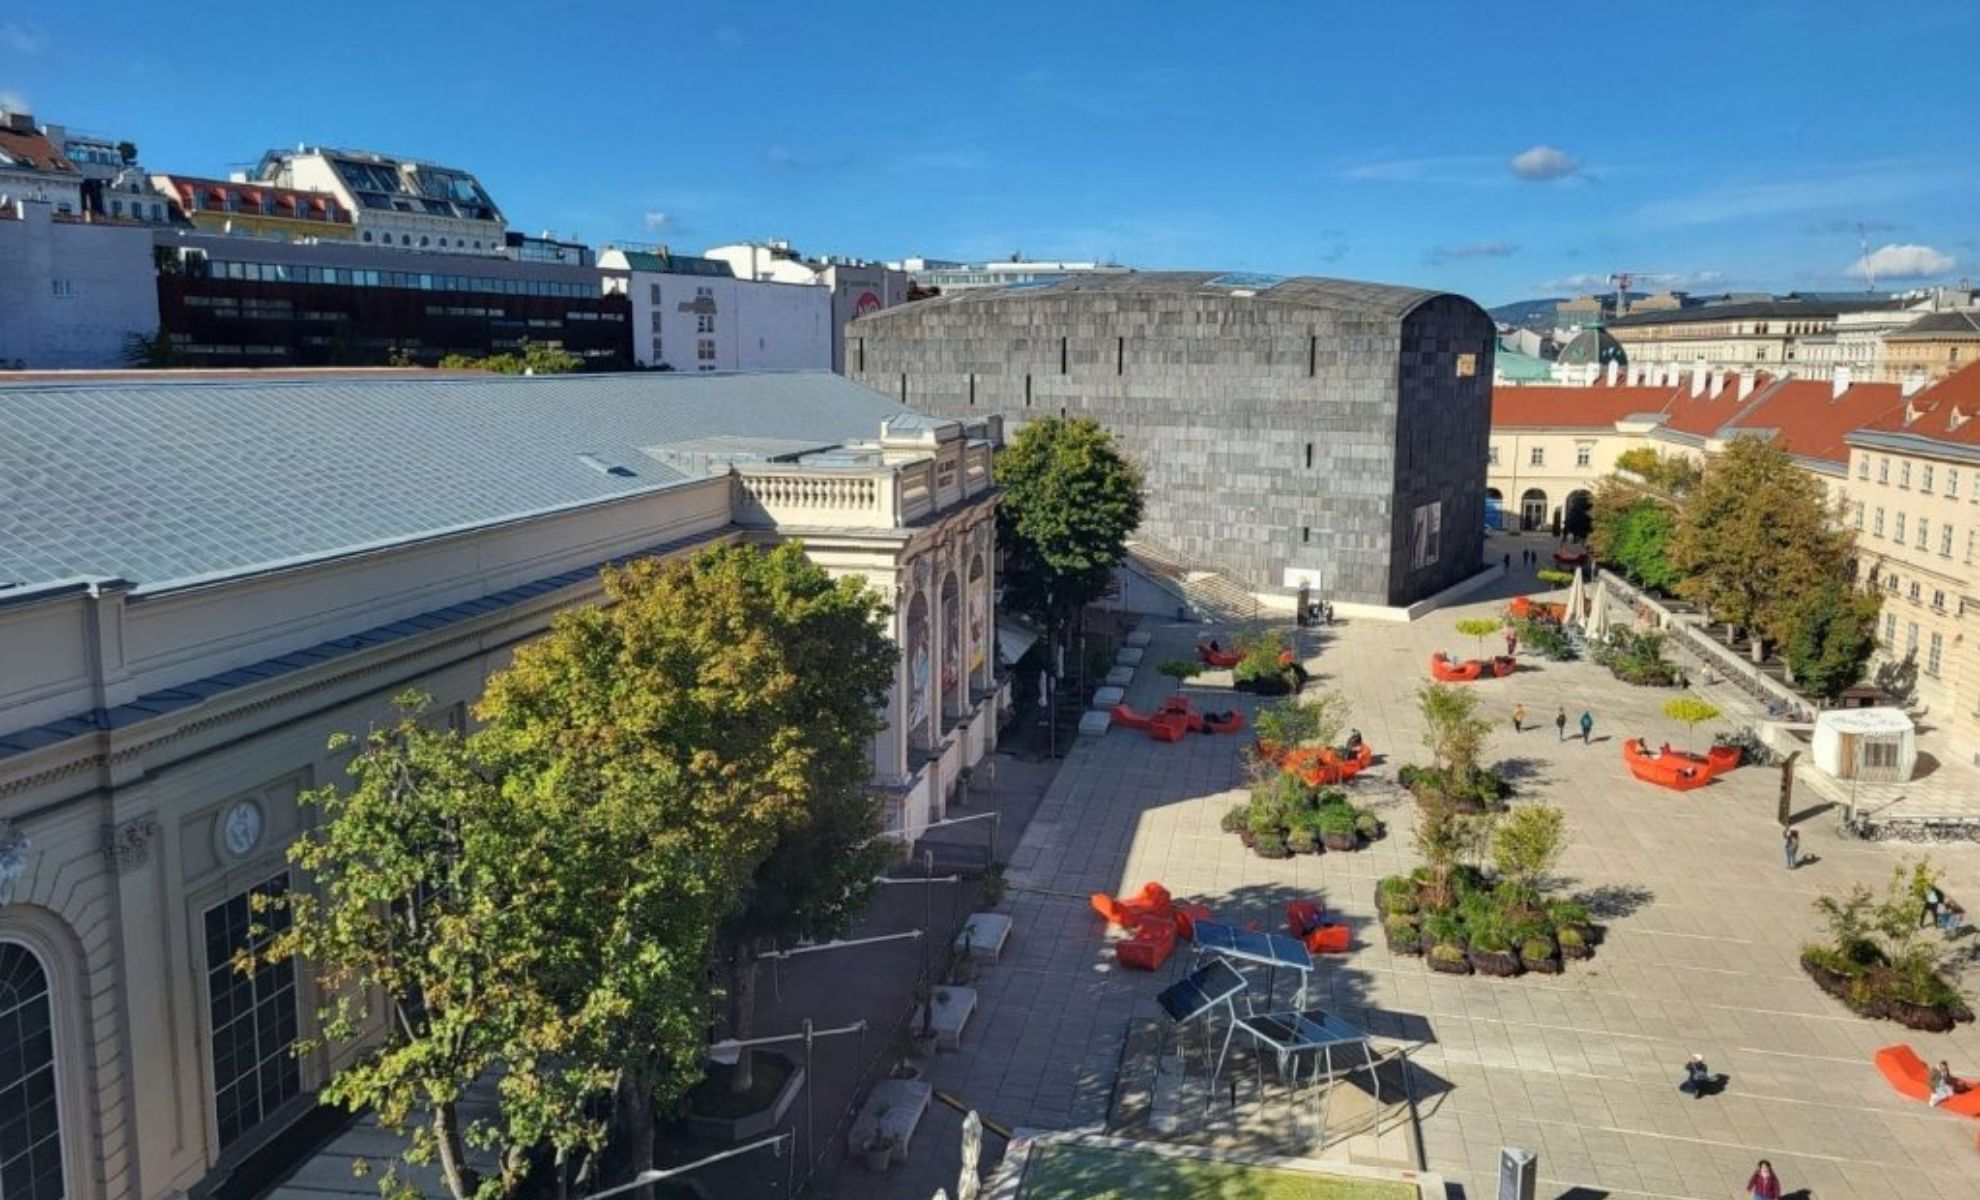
point(1500, 150)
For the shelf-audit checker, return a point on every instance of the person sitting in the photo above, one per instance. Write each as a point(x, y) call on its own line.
point(1944, 1086)
point(1698, 1080)
point(1353, 743)
point(1932, 908)
point(1214, 647)
point(1951, 916)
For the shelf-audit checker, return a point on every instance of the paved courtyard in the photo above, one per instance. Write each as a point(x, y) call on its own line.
point(1581, 1068)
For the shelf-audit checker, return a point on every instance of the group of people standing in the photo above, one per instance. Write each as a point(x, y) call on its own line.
point(1586, 724)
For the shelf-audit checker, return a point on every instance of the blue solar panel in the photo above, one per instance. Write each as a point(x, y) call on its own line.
point(1206, 987)
point(1272, 949)
point(1308, 1030)
point(1254, 280)
point(1031, 283)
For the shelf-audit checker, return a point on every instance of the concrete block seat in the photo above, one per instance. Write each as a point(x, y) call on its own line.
point(1108, 697)
point(1119, 676)
point(984, 935)
point(893, 1110)
point(951, 1009)
point(1129, 656)
point(1674, 769)
point(1909, 1076)
point(1140, 639)
point(1094, 723)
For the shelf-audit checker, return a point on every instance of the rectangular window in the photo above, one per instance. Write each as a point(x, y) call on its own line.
point(704, 323)
point(251, 1019)
point(1904, 474)
point(1915, 591)
point(705, 350)
point(1492, 455)
point(1911, 639)
point(1924, 478)
point(1883, 470)
point(1584, 453)
point(1537, 457)
point(1890, 630)
point(1945, 541)
point(1880, 755)
point(1952, 482)
point(1932, 653)
point(1924, 532)
point(1309, 456)
point(1863, 467)
point(1938, 600)
point(1897, 528)
point(1859, 514)
point(1877, 527)
point(653, 292)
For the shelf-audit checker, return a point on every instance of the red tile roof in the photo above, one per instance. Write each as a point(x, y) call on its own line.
point(32, 150)
point(1596, 407)
point(1932, 412)
point(1812, 422)
point(294, 203)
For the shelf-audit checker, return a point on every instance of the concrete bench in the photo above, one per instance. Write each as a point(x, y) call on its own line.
point(1094, 723)
point(1109, 696)
point(892, 1111)
point(1140, 638)
point(1120, 676)
point(985, 934)
point(953, 1006)
point(1130, 656)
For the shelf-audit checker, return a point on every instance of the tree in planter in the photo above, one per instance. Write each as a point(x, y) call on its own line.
point(1315, 720)
point(1446, 838)
point(1071, 498)
point(1690, 712)
point(1180, 670)
point(1478, 629)
point(1453, 731)
point(1526, 844)
point(463, 912)
point(719, 711)
point(1834, 633)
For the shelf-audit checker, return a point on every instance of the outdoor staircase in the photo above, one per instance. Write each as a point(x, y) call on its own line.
point(1209, 592)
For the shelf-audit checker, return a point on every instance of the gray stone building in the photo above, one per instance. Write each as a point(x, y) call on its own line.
point(1293, 430)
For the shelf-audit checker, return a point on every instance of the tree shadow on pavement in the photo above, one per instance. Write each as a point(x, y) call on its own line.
point(1609, 901)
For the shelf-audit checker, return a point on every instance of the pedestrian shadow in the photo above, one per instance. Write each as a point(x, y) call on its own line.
point(1807, 860)
point(1582, 1193)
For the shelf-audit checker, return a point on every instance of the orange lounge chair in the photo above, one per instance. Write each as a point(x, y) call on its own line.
point(1909, 1076)
point(1153, 941)
point(1128, 718)
point(1503, 665)
point(1444, 669)
point(1678, 772)
point(1153, 900)
point(1187, 915)
point(1329, 939)
point(1303, 917)
point(1168, 727)
point(1218, 658)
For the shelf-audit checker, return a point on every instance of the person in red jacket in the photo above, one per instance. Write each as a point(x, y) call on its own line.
point(1764, 1184)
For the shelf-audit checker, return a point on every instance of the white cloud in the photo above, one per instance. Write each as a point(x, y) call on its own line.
point(1438, 255)
point(13, 101)
point(1461, 169)
point(660, 222)
point(22, 39)
point(1901, 262)
point(1541, 163)
point(1664, 281)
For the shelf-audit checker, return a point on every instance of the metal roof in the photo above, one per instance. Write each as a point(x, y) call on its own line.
point(1788, 307)
point(162, 481)
point(1301, 290)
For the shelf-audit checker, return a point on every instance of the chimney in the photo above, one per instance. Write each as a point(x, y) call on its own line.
point(1914, 382)
point(1840, 383)
point(1747, 382)
point(1697, 380)
point(1718, 383)
point(20, 122)
point(1610, 377)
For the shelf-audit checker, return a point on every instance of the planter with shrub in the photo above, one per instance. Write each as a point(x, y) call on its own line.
point(1448, 958)
point(1637, 657)
point(1879, 961)
point(1284, 816)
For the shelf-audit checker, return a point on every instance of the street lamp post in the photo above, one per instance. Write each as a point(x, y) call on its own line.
point(655, 1176)
point(728, 1052)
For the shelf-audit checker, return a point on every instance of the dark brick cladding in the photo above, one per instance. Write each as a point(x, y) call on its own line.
point(1274, 435)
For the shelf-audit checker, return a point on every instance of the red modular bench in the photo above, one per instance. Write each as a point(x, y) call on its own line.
point(1218, 658)
point(1187, 915)
point(1525, 608)
point(1329, 939)
point(1318, 766)
point(1168, 727)
point(1678, 772)
point(1153, 942)
point(1445, 669)
point(1153, 900)
point(1303, 916)
point(1503, 665)
point(1909, 1076)
point(1128, 718)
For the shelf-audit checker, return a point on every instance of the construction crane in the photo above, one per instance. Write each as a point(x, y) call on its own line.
point(1863, 240)
point(1622, 280)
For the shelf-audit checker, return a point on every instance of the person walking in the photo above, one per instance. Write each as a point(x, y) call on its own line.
point(1512, 642)
point(1587, 726)
point(1509, 562)
point(1519, 718)
point(1560, 724)
point(1763, 1184)
point(1791, 846)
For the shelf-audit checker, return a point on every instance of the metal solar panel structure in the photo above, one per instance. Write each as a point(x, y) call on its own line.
point(1214, 983)
point(1311, 1033)
point(1272, 950)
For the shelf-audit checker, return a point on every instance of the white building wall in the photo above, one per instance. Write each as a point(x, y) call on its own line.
point(71, 293)
point(752, 326)
point(780, 326)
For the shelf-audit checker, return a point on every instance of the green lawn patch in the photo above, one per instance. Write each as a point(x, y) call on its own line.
point(1092, 1173)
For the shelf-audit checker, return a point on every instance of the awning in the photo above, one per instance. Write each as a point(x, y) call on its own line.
point(1013, 640)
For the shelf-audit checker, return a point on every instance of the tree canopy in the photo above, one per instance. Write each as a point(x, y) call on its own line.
point(535, 358)
point(1755, 536)
point(1834, 633)
point(1071, 498)
point(1631, 531)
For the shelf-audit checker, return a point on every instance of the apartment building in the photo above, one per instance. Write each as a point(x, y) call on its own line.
point(286, 557)
point(857, 287)
point(395, 201)
point(1932, 346)
point(240, 208)
point(33, 168)
point(692, 314)
point(72, 292)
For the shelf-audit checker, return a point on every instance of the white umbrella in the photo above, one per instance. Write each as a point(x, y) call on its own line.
point(1598, 616)
point(1577, 601)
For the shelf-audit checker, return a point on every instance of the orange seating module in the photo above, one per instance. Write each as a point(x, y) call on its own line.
point(1218, 658)
point(1676, 769)
point(1909, 1076)
point(1525, 608)
point(1503, 665)
point(1187, 915)
point(1444, 669)
point(1128, 718)
point(1230, 722)
point(1319, 766)
point(1303, 916)
point(1153, 941)
point(1168, 727)
point(1329, 939)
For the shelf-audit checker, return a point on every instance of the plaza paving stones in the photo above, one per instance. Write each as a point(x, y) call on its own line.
point(1704, 928)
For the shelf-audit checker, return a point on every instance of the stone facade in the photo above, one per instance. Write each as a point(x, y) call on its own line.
point(1292, 430)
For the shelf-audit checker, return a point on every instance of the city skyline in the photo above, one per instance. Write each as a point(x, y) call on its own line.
point(1501, 160)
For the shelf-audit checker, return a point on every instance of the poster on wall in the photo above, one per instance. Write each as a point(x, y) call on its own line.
point(919, 667)
point(951, 643)
point(979, 627)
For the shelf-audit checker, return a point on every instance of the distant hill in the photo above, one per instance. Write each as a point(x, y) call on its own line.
point(1531, 314)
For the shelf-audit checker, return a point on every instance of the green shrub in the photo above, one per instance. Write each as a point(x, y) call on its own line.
point(1367, 824)
point(1271, 844)
point(1444, 928)
point(1571, 938)
point(1446, 952)
point(1397, 885)
point(1236, 818)
point(1567, 913)
point(1546, 639)
point(1556, 578)
point(1336, 821)
point(1400, 905)
point(1302, 840)
point(1536, 948)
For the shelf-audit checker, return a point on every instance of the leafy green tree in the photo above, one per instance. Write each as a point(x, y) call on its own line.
point(1453, 731)
point(431, 891)
point(1527, 843)
point(1631, 530)
point(1755, 536)
point(1690, 711)
point(1577, 516)
point(1672, 474)
point(1834, 633)
point(728, 704)
point(1071, 498)
point(1479, 628)
point(535, 358)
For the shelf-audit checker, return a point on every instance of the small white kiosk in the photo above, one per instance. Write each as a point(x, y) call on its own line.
point(1873, 745)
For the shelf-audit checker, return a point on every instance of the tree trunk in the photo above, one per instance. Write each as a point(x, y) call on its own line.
point(454, 1170)
point(742, 1011)
point(631, 1139)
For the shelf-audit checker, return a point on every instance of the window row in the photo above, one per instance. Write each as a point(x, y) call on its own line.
point(405, 239)
point(412, 280)
point(1926, 476)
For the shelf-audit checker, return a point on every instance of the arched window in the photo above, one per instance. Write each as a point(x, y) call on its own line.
point(30, 1124)
point(367, 235)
